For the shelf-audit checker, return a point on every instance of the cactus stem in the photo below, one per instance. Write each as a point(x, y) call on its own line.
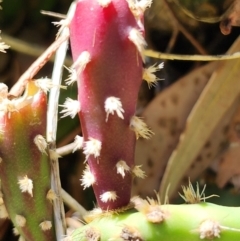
point(88, 178)
point(92, 147)
point(70, 108)
point(20, 221)
point(104, 3)
point(81, 62)
point(40, 143)
point(108, 196)
point(138, 172)
point(113, 104)
point(26, 185)
point(122, 167)
point(136, 37)
point(140, 128)
point(45, 225)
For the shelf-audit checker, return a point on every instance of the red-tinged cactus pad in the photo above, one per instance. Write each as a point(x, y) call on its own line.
point(107, 46)
point(24, 166)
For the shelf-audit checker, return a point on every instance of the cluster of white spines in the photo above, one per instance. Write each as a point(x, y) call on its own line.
point(83, 59)
point(70, 108)
point(88, 178)
point(140, 128)
point(92, 147)
point(108, 196)
point(41, 143)
point(26, 185)
point(113, 104)
point(137, 38)
point(122, 168)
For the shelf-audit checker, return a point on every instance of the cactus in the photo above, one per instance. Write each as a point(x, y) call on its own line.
point(107, 43)
point(108, 62)
point(24, 166)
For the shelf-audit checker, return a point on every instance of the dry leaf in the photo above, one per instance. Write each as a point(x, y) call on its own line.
point(166, 115)
point(218, 98)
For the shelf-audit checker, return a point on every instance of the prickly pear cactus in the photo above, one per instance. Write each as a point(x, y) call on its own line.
point(24, 166)
point(108, 59)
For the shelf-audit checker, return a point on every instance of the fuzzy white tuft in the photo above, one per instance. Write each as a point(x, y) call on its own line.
point(83, 59)
point(140, 128)
point(72, 77)
point(149, 76)
point(41, 143)
point(63, 23)
point(138, 172)
point(104, 3)
point(88, 178)
point(136, 37)
point(138, 7)
point(54, 155)
point(92, 147)
point(51, 195)
point(45, 84)
point(26, 185)
point(20, 221)
point(78, 142)
point(70, 108)
point(122, 167)
point(209, 229)
point(108, 196)
point(113, 104)
point(45, 225)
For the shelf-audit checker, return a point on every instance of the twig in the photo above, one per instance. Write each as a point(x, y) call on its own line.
point(159, 55)
point(72, 203)
point(52, 115)
point(183, 30)
point(28, 48)
point(19, 87)
point(65, 150)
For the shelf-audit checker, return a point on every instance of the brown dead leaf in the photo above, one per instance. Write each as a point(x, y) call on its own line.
point(216, 101)
point(229, 161)
point(166, 115)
